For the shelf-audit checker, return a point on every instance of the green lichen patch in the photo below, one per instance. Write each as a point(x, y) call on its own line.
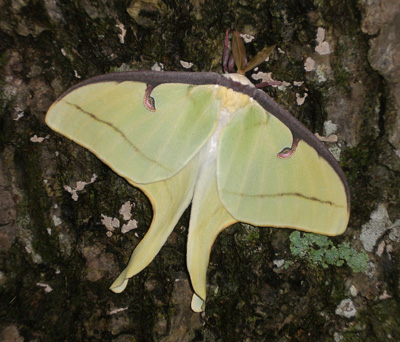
point(319, 250)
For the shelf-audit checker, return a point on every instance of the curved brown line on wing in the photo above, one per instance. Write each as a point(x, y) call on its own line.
point(294, 194)
point(116, 129)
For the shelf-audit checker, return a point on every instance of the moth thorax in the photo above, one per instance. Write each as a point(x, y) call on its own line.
point(232, 100)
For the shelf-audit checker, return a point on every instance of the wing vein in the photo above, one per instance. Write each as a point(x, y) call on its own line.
point(120, 133)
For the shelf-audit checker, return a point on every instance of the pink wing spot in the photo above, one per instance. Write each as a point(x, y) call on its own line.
point(287, 152)
point(148, 101)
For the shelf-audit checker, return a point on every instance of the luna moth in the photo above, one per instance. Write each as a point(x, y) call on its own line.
point(212, 140)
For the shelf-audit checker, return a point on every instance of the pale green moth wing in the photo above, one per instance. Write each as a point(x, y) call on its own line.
point(111, 120)
point(211, 139)
point(273, 178)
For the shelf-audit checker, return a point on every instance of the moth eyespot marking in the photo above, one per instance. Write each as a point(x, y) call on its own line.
point(287, 152)
point(148, 101)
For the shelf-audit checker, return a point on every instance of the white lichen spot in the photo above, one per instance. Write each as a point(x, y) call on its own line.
point(279, 263)
point(263, 76)
point(18, 114)
point(321, 73)
point(335, 150)
point(298, 83)
point(76, 74)
point(375, 227)
point(320, 35)
point(126, 227)
point(71, 191)
point(37, 139)
point(49, 231)
point(389, 251)
point(267, 78)
point(323, 47)
point(329, 127)
point(394, 235)
point(47, 288)
point(281, 51)
point(216, 290)
point(63, 52)
point(337, 337)
point(309, 64)
point(371, 270)
point(124, 67)
point(115, 311)
point(346, 309)
point(385, 295)
point(353, 291)
point(80, 185)
point(125, 211)
point(381, 248)
point(121, 35)
point(186, 65)
point(36, 258)
point(300, 99)
point(110, 222)
point(157, 67)
point(247, 37)
point(333, 138)
point(56, 220)
point(284, 84)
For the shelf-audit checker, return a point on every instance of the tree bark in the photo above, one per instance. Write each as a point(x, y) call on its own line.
point(58, 258)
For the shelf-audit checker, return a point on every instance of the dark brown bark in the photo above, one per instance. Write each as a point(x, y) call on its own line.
point(50, 241)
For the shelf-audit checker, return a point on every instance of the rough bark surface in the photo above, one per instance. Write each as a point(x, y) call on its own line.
point(57, 258)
